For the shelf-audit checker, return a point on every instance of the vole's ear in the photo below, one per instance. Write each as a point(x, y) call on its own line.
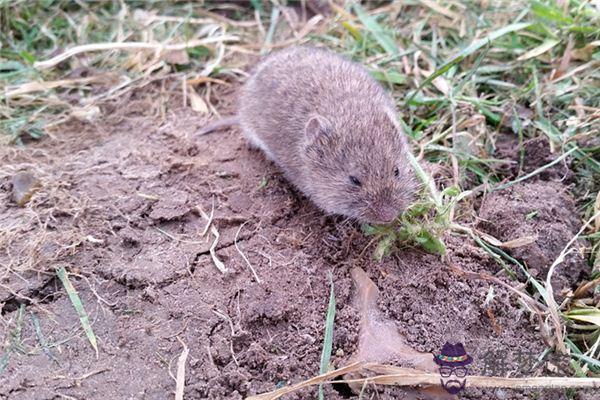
point(391, 113)
point(316, 127)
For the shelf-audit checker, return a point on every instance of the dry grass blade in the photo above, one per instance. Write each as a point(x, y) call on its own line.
point(541, 49)
point(577, 71)
point(597, 212)
point(409, 377)
point(77, 303)
point(549, 294)
point(198, 104)
point(213, 253)
point(586, 287)
point(510, 244)
point(396, 376)
point(204, 79)
point(131, 46)
point(30, 87)
point(276, 394)
point(440, 9)
point(180, 382)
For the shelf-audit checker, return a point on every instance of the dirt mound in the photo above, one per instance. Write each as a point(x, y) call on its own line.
point(546, 211)
point(535, 153)
point(122, 204)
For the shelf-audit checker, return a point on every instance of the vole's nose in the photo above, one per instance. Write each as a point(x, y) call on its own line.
point(385, 214)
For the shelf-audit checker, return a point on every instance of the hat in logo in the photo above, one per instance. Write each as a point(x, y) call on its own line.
point(453, 355)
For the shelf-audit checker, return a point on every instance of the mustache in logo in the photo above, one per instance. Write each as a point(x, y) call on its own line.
point(454, 386)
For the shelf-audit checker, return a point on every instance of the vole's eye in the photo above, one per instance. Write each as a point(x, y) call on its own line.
point(354, 180)
point(396, 172)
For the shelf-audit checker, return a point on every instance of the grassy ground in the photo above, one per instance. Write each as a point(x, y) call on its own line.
point(462, 74)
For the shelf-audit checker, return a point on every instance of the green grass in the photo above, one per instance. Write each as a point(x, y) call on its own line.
point(328, 335)
point(79, 308)
point(14, 342)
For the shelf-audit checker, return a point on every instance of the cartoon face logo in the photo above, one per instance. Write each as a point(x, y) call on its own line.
point(452, 363)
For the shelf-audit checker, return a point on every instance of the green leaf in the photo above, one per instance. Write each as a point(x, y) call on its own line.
point(551, 13)
point(385, 41)
point(40, 337)
point(78, 305)
point(389, 76)
point(328, 337)
point(11, 66)
point(369, 229)
point(430, 242)
point(418, 210)
point(353, 31)
point(589, 360)
point(27, 56)
point(591, 315)
point(14, 343)
point(4, 361)
point(263, 183)
point(549, 129)
point(451, 191)
point(257, 5)
point(384, 247)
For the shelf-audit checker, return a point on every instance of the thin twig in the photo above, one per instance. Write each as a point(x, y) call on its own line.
point(235, 241)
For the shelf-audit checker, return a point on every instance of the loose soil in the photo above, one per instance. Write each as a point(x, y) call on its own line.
point(120, 206)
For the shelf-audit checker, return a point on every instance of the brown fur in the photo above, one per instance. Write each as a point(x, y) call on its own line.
point(322, 119)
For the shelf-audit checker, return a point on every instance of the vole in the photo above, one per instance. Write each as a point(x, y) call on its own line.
point(332, 129)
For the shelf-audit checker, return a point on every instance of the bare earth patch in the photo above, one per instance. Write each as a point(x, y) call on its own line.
point(119, 207)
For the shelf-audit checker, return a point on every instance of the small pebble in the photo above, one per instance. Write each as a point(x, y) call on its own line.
point(24, 186)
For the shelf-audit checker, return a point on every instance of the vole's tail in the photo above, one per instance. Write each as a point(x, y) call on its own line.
point(219, 124)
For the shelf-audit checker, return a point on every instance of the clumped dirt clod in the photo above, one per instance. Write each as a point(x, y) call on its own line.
point(118, 209)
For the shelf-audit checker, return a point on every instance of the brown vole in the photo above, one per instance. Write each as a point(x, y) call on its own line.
point(332, 129)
